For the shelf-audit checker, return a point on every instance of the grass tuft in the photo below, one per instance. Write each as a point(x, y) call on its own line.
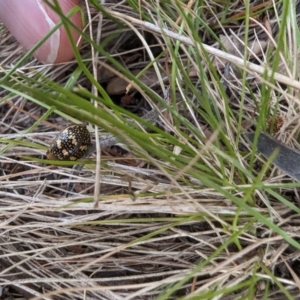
point(186, 209)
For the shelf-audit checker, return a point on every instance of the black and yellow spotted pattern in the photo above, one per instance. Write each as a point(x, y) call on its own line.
point(71, 143)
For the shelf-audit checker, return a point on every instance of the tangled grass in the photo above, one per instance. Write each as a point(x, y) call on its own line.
point(187, 210)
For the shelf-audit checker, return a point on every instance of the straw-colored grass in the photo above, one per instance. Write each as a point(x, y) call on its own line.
point(185, 210)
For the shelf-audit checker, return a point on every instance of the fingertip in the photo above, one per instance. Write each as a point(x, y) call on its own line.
point(65, 51)
point(30, 23)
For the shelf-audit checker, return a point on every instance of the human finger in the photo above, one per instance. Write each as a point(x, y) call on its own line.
point(30, 22)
